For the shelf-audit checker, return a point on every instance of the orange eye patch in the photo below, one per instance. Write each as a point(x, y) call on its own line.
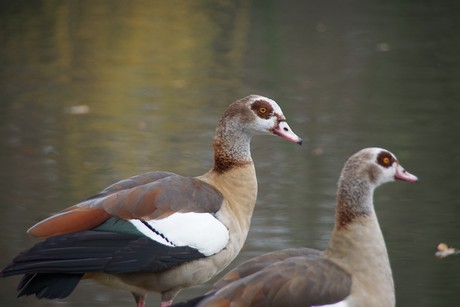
point(262, 108)
point(385, 159)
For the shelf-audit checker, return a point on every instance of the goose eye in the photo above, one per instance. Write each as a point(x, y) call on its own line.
point(262, 109)
point(385, 159)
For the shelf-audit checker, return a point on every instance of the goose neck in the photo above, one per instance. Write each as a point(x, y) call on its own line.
point(231, 149)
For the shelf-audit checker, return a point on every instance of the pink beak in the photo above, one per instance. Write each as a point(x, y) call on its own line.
point(402, 174)
point(285, 132)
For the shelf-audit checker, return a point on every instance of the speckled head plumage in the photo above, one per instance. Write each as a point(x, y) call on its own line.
point(256, 114)
point(362, 173)
point(249, 116)
point(377, 165)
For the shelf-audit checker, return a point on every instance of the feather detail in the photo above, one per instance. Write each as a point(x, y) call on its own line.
point(70, 221)
point(197, 230)
point(99, 251)
point(148, 201)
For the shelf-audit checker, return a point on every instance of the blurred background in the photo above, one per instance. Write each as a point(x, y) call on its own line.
point(92, 92)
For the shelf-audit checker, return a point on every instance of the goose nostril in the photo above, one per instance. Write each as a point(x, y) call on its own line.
point(286, 129)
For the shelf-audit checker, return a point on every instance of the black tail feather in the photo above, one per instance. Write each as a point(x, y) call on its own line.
point(52, 268)
point(99, 251)
point(48, 285)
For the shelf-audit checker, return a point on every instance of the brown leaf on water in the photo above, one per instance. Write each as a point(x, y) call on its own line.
point(444, 250)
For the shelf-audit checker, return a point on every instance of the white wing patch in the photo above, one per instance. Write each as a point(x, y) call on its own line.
point(198, 230)
point(149, 233)
point(338, 304)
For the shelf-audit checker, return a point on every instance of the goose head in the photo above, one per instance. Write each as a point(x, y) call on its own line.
point(255, 114)
point(362, 173)
point(381, 166)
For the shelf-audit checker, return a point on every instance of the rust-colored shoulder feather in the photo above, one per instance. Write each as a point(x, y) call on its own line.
point(69, 221)
point(148, 196)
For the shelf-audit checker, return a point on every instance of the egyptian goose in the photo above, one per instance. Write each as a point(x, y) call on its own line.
point(157, 231)
point(353, 271)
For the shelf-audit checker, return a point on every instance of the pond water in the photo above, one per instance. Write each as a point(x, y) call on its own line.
point(96, 91)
